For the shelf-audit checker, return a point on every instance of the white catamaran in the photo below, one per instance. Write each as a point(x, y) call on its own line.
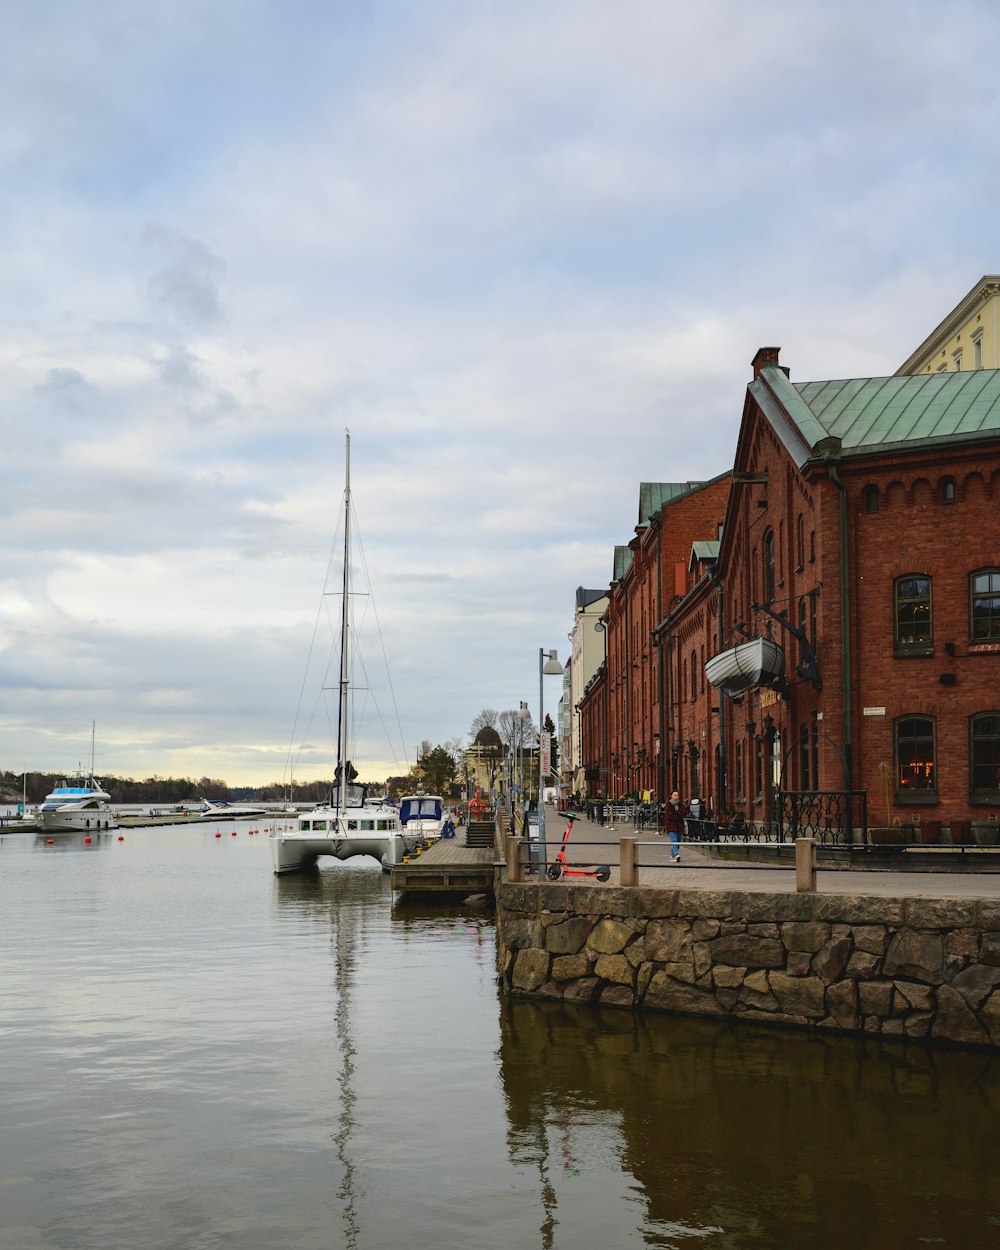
point(348, 825)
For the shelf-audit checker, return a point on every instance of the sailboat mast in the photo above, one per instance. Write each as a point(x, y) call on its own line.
point(345, 588)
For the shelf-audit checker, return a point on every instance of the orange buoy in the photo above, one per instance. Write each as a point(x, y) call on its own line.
point(51, 842)
point(234, 833)
point(121, 837)
point(87, 839)
point(218, 835)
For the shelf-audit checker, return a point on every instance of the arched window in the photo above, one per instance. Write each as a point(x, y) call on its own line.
point(768, 566)
point(800, 542)
point(916, 766)
point(984, 754)
point(694, 675)
point(870, 497)
point(985, 605)
point(946, 489)
point(913, 613)
point(804, 758)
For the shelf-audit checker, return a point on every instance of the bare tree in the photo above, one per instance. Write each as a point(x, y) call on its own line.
point(513, 730)
point(488, 718)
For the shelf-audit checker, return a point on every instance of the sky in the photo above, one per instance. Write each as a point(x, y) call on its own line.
point(525, 252)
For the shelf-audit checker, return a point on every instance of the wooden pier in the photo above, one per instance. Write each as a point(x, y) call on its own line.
point(461, 865)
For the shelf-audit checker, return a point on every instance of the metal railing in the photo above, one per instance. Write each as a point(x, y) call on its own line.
point(832, 817)
point(521, 862)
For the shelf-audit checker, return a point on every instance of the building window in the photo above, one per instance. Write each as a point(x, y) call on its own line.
point(769, 567)
point(812, 546)
point(916, 772)
point(957, 357)
point(985, 607)
point(694, 675)
point(739, 769)
point(800, 542)
point(815, 751)
point(946, 488)
point(804, 758)
point(913, 613)
point(977, 350)
point(943, 367)
point(803, 626)
point(870, 497)
point(758, 767)
point(985, 757)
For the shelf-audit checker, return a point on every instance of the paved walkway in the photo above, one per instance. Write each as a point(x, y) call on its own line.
point(697, 870)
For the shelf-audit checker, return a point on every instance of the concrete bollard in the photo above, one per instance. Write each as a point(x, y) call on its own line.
point(628, 871)
point(515, 859)
point(805, 865)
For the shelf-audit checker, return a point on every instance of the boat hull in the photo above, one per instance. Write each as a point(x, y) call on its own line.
point(66, 820)
point(292, 852)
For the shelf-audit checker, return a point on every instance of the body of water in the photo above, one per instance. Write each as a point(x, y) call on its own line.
point(198, 1055)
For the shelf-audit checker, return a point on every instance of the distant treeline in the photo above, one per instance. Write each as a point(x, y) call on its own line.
point(161, 789)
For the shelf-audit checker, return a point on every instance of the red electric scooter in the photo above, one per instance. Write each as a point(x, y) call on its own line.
point(561, 869)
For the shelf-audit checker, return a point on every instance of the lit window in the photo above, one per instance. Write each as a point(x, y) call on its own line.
point(913, 612)
point(985, 758)
point(916, 772)
point(985, 606)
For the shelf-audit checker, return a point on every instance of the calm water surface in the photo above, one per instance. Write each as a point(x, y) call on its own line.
point(198, 1055)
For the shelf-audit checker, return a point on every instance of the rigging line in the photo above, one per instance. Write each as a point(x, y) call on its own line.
point(312, 642)
point(378, 626)
point(378, 709)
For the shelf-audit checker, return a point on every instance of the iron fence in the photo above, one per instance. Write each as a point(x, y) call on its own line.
point(832, 817)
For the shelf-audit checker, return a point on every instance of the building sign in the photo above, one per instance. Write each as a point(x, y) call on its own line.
point(873, 711)
point(545, 742)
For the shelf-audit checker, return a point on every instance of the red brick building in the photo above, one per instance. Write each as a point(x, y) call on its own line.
point(861, 537)
point(624, 717)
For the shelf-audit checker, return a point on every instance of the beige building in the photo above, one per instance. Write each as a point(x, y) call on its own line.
point(587, 654)
point(968, 337)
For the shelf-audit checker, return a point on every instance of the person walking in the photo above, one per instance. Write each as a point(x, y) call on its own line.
point(673, 823)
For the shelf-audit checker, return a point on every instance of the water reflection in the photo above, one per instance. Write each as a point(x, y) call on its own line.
point(748, 1138)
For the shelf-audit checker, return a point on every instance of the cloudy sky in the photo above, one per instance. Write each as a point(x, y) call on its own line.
point(525, 251)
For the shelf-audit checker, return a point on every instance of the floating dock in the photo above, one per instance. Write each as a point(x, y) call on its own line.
point(461, 865)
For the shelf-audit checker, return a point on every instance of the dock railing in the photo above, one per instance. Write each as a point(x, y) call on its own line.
point(804, 864)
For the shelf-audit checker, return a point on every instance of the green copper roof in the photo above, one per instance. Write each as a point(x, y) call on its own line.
point(708, 550)
point(653, 495)
point(868, 413)
point(623, 562)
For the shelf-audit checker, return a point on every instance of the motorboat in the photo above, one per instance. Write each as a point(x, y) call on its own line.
point(422, 816)
point(225, 810)
point(348, 825)
point(81, 807)
point(751, 664)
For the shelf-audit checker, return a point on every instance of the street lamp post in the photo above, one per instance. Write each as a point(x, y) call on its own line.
point(546, 668)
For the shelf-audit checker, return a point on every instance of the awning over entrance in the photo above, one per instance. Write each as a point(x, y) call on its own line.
point(751, 664)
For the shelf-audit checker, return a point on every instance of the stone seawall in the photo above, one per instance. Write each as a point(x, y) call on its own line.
point(912, 968)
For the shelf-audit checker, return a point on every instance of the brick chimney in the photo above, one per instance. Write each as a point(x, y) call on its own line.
point(765, 356)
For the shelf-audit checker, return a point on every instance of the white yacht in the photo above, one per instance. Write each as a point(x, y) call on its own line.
point(422, 816)
point(84, 806)
point(81, 806)
point(348, 825)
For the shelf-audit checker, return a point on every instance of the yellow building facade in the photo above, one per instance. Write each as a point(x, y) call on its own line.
point(968, 338)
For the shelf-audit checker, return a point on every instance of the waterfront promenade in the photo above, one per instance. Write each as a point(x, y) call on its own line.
point(700, 870)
